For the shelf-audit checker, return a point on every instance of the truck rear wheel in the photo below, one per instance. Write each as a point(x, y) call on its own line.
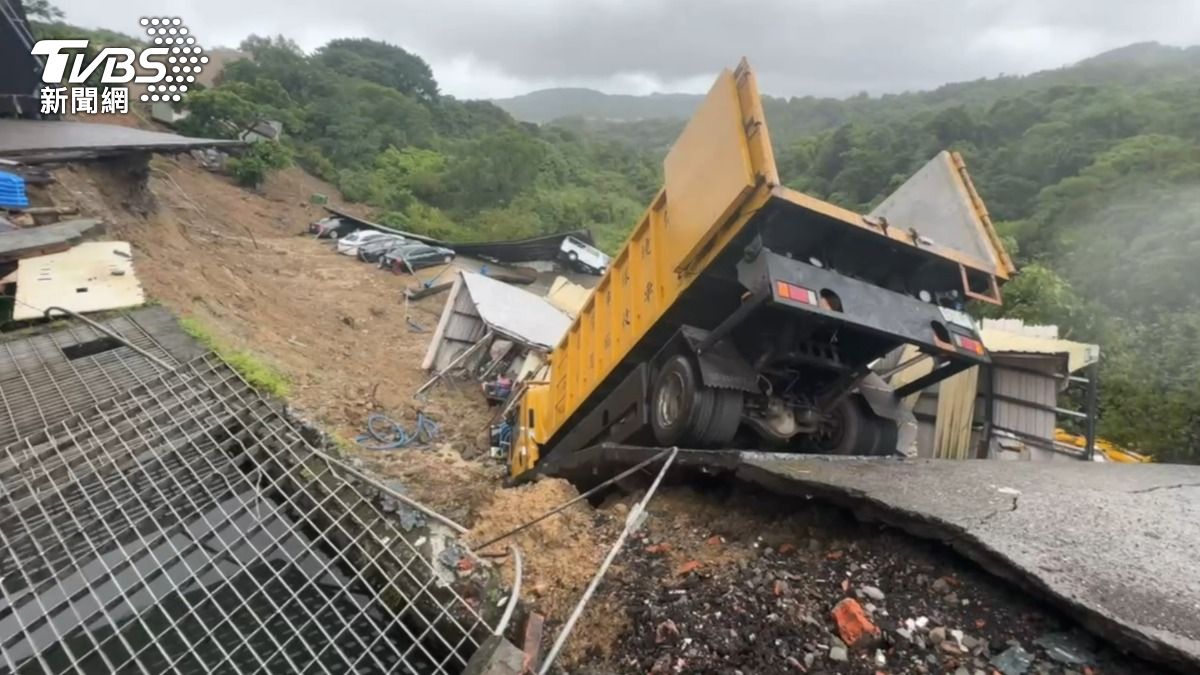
point(677, 403)
point(723, 423)
point(685, 412)
point(849, 430)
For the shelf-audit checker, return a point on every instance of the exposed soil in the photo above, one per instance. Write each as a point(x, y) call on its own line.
point(240, 263)
point(565, 549)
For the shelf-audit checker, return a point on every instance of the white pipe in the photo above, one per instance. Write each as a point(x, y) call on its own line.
point(631, 523)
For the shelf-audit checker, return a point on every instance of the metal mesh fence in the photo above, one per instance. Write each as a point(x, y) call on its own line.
point(184, 525)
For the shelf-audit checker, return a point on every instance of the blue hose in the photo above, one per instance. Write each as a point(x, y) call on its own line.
point(388, 434)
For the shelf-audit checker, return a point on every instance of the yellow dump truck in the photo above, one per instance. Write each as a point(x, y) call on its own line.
point(742, 313)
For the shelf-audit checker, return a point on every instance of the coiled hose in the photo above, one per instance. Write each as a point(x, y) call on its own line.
point(389, 434)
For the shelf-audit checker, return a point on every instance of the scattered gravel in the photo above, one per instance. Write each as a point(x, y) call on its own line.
point(757, 597)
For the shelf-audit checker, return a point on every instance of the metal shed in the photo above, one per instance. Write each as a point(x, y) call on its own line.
point(479, 305)
point(1014, 403)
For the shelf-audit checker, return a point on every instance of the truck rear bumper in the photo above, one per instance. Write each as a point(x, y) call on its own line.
point(799, 286)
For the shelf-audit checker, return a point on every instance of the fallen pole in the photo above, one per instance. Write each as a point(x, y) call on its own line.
point(515, 596)
point(475, 348)
point(631, 523)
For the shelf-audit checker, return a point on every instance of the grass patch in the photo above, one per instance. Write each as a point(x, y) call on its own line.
point(261, 375)
point(345, 448)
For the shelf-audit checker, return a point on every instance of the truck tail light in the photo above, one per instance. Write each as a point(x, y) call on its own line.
point(970, 344)
point(797, 293)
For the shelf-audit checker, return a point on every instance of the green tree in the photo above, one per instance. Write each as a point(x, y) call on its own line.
point(379, 62)
point(253, 167)
point(42, 10)
point(217, 113)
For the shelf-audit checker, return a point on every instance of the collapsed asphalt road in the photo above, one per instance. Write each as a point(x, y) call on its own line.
point(1109, 545)
point(730, 579)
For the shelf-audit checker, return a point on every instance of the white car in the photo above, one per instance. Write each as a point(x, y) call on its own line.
point(584, 256)
point(348, 245)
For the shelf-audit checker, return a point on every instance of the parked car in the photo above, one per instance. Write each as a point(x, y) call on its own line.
point(348, 245)
point(401, 259)
point(331, 227)
point(373, 250)
point(584, 257)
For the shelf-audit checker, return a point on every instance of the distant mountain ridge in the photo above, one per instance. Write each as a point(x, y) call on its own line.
point(547, 105)
point(1124, 64)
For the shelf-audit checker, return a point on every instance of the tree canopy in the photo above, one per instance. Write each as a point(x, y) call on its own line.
point(368, 116)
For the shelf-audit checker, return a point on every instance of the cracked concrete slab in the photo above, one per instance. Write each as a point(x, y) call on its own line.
point(1112, 545)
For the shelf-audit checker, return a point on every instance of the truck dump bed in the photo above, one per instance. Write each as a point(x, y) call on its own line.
point(720, 183)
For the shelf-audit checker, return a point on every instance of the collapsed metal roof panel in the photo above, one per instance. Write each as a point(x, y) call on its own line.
point(545, 247)
point(1013, 337)
point(516, 313)
point(34, 141)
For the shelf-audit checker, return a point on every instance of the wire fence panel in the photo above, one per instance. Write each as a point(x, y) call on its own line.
point(185, 525)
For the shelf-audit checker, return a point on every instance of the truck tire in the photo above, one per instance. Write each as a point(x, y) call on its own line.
point(886, 437)
point(852, 429)
point(679, 404)
point(722, 424)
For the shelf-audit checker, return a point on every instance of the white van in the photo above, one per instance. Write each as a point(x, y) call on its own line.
point(583, 256)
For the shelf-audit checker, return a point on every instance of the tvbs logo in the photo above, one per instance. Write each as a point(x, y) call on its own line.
point(166, 67)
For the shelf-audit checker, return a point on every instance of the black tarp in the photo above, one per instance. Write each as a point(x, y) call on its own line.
point(545, 247)
point(20, 71)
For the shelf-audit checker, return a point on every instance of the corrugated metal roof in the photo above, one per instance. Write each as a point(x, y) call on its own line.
point(1079, 354)
point(516, 313)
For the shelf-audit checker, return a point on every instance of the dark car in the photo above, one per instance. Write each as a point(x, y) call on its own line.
point(401, 259)
point(373, 250)
point(331, 227)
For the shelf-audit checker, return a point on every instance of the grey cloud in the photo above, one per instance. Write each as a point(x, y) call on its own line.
point(821, 47)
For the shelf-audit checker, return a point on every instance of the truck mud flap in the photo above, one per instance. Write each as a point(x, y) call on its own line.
point(721, 366)
point(882, 401)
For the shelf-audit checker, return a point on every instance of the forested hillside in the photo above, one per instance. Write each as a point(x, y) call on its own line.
point(368, 116)
point(1092, 172)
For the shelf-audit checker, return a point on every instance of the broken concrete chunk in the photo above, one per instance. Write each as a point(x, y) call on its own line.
point(853, 625)
point(1065, 648)
point(1013, 661)
point(873, 593)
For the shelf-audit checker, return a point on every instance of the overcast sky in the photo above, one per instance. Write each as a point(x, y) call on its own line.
point(494, 48)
